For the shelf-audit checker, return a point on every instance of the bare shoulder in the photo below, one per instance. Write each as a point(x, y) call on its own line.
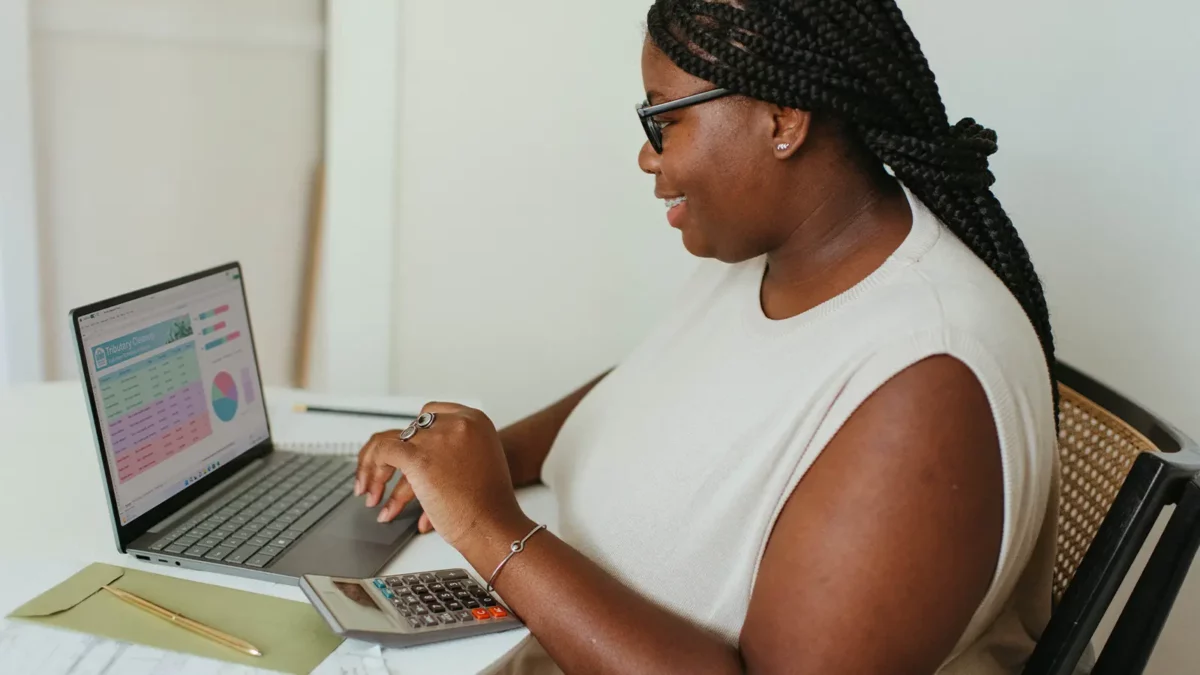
point(888, 545)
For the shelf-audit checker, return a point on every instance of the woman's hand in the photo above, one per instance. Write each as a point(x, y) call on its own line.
point(456, 468)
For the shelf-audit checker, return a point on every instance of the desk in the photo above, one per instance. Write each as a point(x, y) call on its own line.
point(54, 515)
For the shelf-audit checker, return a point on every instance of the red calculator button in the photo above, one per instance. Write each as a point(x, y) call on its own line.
point(498, 612)
point(481, 614)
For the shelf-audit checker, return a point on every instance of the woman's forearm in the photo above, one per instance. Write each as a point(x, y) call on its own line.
point(587, 620)
point(528, 441)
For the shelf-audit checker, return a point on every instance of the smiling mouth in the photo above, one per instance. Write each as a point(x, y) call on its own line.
point(676, 201)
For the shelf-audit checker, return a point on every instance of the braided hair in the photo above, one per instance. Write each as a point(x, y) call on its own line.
point(859, 61)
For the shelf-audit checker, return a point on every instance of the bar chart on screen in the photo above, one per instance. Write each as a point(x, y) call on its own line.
point(155, 409)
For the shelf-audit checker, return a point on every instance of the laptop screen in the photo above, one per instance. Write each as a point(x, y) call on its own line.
point(176, 387)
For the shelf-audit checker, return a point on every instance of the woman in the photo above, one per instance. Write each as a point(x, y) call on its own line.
point(835, 454)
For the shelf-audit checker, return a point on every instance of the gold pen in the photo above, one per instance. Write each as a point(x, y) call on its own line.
point(184, 622)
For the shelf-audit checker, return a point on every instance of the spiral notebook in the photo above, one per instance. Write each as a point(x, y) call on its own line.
point(326, 433)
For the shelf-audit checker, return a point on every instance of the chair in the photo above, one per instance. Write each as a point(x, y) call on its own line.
point(1121, 466)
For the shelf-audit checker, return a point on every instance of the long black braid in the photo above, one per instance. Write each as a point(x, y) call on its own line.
point(859, 61)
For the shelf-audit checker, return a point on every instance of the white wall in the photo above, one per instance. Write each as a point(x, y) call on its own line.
point(174, 136)
point(520, 200)
point(20, 334)
point(1094, 103)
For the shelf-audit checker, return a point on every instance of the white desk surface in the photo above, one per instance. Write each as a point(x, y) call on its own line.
point(54, 519)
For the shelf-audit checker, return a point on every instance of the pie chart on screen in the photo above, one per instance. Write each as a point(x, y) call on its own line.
point(224, 396)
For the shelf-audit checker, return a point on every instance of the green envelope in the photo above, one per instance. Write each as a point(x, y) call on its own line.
point(291, 635)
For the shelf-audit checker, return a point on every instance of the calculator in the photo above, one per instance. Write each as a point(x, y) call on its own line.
point(406, 610)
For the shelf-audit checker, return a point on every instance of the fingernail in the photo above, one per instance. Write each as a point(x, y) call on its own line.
point(371, 501)
point(357, 487)
point(383, 515)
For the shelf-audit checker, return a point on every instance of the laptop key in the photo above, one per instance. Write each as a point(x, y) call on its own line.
point(159, 545)
point(271, 550)
point(209, 542)
point(196, 551)
point(259, 560)
point(241, 555)
point(218, 553)
point(188, 540)
point(258, 541)
point(293, 533)
point(176, 548)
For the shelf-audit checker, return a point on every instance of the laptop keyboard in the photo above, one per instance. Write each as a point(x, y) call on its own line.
point(255, 526)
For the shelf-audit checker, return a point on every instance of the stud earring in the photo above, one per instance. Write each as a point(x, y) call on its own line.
point(783, 146)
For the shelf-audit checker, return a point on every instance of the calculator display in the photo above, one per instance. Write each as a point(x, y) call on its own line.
point(355, 607)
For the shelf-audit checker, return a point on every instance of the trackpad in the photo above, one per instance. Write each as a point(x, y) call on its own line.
point(352, 520)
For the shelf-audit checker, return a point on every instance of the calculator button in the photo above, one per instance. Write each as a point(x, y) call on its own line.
point(416, 623)
point(428, 599)
point(470, 604)
point(379, 584)
point(447, 618)
point(454, 586)
point(453, 606)
point(436, 588)
point(409, 599)
point(445, 597)
point(405, 612)
point(429, 620)
point(426, 577)
point(394, 581)
point(410, 579)
point(481, 614)
point(437, 609)
point(388, 594)
point(451, 575)
point(498, 612)
point(477, 592)
point(418, 589)
point(462, 595)
point(464, 616)
point(419, 610)
point(487, 602)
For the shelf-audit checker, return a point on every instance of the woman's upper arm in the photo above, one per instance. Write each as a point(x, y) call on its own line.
point(886, 548)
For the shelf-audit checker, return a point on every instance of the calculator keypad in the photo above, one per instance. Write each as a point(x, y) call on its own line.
point(443, 598)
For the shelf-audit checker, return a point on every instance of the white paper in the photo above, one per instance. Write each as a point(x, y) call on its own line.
point(30, 648)
point(353, 657)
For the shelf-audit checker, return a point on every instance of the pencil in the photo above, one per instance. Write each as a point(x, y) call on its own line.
point(184, 622)
point(300, 407)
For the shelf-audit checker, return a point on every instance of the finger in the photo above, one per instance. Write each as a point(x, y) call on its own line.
point(377, 480)
point(402, 494)
point(364, 463)
point(424, 525)
point(376, 467)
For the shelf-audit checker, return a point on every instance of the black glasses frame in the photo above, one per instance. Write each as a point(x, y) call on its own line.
point(646, 113)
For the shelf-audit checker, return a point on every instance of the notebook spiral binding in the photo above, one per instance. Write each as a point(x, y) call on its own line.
point(323, 448)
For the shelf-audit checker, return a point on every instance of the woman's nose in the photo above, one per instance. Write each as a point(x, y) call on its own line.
point(648, 159)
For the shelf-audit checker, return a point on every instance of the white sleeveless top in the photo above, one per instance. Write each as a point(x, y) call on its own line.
point(671, 472)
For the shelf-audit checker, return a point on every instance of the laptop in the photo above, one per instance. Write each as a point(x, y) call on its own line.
point(192, 476)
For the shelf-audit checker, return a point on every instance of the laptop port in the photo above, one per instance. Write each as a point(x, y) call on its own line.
point(142, 557)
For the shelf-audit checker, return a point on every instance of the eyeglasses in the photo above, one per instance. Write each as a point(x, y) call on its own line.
point(646, 113)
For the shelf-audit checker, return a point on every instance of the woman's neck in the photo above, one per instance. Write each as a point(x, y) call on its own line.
point(837, 241)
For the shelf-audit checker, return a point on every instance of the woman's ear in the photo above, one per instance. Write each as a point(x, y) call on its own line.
point(791, 127)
